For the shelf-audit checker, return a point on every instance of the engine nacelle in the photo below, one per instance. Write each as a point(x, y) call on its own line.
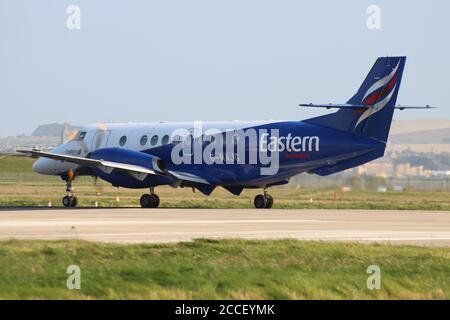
point(122, 178)
point(129, 157)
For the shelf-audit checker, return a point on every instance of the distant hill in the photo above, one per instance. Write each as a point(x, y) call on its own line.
point(405, 126)
point(429, 136)
point(420, 131)
point(51, 130)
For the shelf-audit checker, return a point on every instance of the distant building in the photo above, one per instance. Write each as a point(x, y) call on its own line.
point(378, 169)
point(391, 170)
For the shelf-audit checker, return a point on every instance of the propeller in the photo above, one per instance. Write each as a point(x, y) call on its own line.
point(67, 135)
point(98, 187)
point(72, 134)
point(99, 137)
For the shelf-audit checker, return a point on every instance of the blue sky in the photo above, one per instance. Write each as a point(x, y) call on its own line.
point(210, 60)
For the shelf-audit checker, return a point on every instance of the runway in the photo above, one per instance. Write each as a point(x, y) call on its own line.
point(136, 225)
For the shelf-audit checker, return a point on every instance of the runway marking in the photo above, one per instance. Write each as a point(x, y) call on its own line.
point(306, 233)
point(133, 225)
point(140, 222)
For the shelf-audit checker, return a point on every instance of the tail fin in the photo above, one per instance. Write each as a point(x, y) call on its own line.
point(379, 93)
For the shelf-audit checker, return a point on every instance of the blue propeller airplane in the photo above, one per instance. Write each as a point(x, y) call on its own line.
point(234, 155)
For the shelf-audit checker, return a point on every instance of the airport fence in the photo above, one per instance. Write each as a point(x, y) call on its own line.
point(371, 183)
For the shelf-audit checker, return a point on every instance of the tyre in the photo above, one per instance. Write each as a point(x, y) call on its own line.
point(154, 201)
point(73, 201)
point(260, 201)
point(269, 203)
point(145, 201)
point(149, 201)
point(66, 201)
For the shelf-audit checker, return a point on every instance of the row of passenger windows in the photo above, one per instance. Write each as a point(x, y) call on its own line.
point(153, 141)
point(144, 140)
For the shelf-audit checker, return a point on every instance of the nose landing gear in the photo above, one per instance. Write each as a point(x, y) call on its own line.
point(150, 200)
point(263, 201)
point(70, 200)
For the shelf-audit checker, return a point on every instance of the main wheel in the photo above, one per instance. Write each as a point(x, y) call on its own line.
point(154, 200)
point(260, 201)
point(145, 201)
point(269, 203)
point(149, 201)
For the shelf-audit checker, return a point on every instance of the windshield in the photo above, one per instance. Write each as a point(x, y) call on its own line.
point(79, 136)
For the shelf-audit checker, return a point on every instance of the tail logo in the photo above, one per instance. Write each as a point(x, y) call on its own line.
point(379, 94)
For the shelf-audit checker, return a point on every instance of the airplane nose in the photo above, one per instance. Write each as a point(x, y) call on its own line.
point(37, 166)
point(41, 166)
point(51, 167)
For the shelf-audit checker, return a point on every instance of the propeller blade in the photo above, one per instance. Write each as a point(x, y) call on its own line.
point(100, 135)
point(98, 186)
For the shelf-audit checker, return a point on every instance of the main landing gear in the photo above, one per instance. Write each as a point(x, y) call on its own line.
point(263, 201)
point(150, 200)
point(70, 200)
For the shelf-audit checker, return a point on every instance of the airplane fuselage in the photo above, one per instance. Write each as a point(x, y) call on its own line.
point(300, 147)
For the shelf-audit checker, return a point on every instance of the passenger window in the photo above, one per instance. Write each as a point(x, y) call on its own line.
point(144, 140)
point(154, 140)
point(165, 139)
point(122, 141)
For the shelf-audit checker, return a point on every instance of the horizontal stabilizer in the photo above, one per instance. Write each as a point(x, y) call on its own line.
point(358, 106)
point(334, 105)
point(403, 107)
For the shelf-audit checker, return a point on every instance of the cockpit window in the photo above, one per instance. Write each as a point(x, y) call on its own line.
point(81, 136)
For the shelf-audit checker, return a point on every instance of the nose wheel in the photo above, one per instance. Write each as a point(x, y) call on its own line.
point(149, 200)
point(70, 200)
point(263, 201)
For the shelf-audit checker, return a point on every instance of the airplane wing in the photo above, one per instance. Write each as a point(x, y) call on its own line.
point(188, 177)
point(104, 165)
point(10, 154)
point(108, 166)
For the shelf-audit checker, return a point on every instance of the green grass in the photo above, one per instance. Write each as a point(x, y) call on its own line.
point(15, 164)
point(226, 269)
point(20, 186)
